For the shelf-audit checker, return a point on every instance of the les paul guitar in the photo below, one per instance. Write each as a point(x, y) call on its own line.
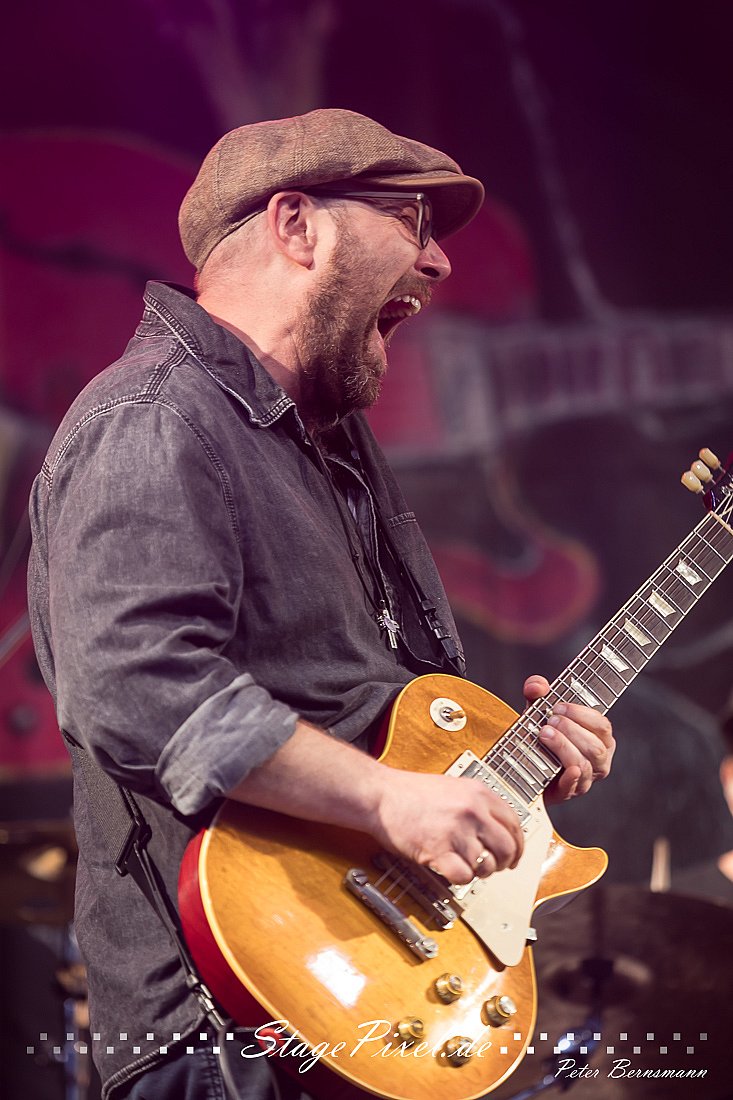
point(400, 984)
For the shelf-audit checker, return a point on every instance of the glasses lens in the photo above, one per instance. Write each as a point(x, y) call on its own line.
point(426, 223)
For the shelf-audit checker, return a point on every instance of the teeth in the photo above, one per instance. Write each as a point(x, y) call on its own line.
point(414, 304)
point(411, 301)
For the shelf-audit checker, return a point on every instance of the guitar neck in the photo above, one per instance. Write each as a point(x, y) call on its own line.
point(602, 671)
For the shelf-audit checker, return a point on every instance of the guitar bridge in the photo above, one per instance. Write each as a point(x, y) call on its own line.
point(357, 881)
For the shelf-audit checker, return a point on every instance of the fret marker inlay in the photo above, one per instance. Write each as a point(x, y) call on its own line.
point(613, 659)
point(659, 604)
point(638, 635)
point(582, 692)
point(688, 572)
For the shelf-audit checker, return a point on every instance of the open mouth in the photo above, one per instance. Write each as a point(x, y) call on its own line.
point(396, 310)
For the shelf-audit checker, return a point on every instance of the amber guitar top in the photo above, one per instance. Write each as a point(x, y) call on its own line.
point(277, 923)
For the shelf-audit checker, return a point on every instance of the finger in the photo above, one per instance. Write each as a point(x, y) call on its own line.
point(485, 864)
point(535, 687)
point(502, 834)
point(567, 784)
point(569, 756)
point(576, 744)
point(586, 717)
point(454, 868)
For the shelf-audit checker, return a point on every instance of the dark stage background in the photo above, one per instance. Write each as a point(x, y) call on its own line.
point(538, 415)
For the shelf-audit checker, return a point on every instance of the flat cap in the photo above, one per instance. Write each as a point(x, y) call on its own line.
point(328, 146)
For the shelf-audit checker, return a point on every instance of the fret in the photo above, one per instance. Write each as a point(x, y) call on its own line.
point(705, 576)
point(584, 694)
point(630, 652)
point(597, 666)
point(526, 786)
point(542, 765)
point(596, 685)
point(523, 773)
point(637, 635)
point(717, 554)
point(537, 771)
point(718, 523)
point(651, 621)
point(720, 543)
point(651, 624)
point(615, 662)
point(504, 769)
point(686, 585)
point(688, 574)
point(539, 762)
point(670, 588)
point(613, 681)
point(536, 755)
point(518, 749)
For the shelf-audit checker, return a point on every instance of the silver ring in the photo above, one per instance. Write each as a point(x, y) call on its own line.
point(480, 859)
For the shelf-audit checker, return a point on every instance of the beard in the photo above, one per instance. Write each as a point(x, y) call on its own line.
point(342, 368)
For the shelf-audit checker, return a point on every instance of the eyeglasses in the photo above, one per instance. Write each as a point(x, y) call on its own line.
point(422, 228)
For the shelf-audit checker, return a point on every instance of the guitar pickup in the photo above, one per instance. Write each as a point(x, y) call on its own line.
point(357, 882)
point(469, 766)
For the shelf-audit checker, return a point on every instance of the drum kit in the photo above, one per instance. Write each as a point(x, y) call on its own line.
point(37, 872)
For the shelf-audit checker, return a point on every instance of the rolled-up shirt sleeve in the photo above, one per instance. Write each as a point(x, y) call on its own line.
point(145, 586)
point(188, 771)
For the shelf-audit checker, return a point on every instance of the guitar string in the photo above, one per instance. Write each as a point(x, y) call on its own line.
point(645, 616)
point(429, 918)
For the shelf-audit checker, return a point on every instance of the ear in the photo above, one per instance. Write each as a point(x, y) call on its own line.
point(292, 225)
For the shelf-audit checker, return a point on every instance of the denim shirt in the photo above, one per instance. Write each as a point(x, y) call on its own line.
point(192, 592)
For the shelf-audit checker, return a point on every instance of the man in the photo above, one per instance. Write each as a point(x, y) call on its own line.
point(224, 573)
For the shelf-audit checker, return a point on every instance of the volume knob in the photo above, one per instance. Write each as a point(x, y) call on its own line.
point(410, 1029)
point(449, 987)
point(499, 1010)
point(458, 1050)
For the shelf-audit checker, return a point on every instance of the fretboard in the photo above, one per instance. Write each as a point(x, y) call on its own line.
point(600, 674)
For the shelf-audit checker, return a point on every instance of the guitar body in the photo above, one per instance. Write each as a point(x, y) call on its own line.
point(277, 936)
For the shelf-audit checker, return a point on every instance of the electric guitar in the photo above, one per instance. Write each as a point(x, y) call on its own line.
point(398, 983)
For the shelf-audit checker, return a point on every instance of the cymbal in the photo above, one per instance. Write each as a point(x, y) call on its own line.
point(646, 978)
point(37, 872)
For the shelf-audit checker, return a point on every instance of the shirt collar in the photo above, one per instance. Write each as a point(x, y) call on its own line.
point(225, 357)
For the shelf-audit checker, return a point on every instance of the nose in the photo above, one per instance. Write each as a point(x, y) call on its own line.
point(433, 262)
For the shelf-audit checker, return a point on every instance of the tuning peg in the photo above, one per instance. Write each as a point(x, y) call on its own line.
point(691, 482)
point(710, 460)
point(702, 471)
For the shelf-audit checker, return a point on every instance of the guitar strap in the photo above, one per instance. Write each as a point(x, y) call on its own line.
point(426, 608)
point(427, 613)
point(120, 821)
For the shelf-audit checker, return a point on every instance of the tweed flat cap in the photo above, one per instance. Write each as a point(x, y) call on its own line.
point(329, 146)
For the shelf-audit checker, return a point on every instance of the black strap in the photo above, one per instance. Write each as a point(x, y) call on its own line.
point(119, 819)
point(427, 611)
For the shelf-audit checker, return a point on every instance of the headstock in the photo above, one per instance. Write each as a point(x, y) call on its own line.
point(708, 475)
